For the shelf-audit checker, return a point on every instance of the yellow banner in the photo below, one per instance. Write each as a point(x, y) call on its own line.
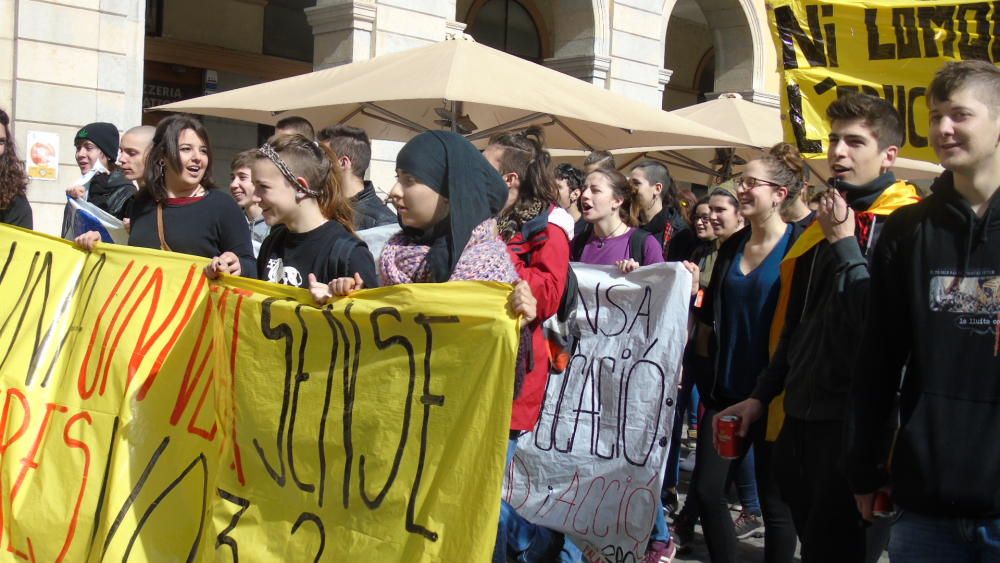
point(151, 415)
point(887, 48)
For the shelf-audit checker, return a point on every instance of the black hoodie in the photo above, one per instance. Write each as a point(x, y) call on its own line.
point(934, 310)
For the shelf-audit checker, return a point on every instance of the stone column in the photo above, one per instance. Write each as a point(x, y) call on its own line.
point(343, 32)
point(62, 67)
point(346, 31)
point(595, 69)
point(637, 50)
point(7, 28)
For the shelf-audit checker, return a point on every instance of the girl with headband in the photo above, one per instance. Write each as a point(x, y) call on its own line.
point(300, 197)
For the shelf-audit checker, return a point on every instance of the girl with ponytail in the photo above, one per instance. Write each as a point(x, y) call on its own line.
point(736, 314)
point(312, 240)
point(537, 232)
point(613, 237)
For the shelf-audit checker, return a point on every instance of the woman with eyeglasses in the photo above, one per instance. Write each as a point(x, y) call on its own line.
point(14, 207)
point(737, 308)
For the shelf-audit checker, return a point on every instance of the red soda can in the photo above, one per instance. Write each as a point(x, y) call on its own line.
point(882, 506)
point(727, 442)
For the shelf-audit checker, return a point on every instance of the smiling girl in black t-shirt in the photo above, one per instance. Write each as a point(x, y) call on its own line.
point(311, 235)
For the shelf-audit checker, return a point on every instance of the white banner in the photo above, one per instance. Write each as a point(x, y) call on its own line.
point(593, 466)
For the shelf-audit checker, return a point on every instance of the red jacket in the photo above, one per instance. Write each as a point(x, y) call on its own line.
point(541, 255)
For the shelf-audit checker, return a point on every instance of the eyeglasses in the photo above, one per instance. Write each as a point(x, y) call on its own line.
point(702, 218)
point(749, 182)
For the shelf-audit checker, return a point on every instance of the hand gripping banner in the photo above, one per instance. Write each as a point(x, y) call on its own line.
point(149, 414)
point(593, 466)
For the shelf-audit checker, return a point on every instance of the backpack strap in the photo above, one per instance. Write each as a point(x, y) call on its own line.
point(637, 245)
point(341, 250)
point(579, 242)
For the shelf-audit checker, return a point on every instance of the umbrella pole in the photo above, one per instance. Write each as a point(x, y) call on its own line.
point(356, 111)
point(503, 127)
point(398, 118)
point(633, 159)
point(384, 119)
point(571, 133)
point(692, 164)
point(454, 117)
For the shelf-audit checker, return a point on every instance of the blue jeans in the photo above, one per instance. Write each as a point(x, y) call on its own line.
point(686, 405)
point(531, 543)
point(693, 406)
point(746, 483)
point(525, 542)
point(660, 530)
point(928, 539)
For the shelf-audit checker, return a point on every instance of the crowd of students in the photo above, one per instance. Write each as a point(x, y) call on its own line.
point(851, 326)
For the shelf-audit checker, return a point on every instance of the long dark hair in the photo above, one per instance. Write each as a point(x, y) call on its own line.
point(13, 178)
point(165, 153)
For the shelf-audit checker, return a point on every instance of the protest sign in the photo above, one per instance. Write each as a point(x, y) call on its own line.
point(887, 48)
point(593, 466)
point(151, 415)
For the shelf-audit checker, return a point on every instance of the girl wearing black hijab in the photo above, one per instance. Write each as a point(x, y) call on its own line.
point(447, 197)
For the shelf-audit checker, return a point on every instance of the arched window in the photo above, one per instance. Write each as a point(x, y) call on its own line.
point(704, 76)
point(506, 25)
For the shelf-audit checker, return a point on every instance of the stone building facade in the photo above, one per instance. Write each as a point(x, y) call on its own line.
point(64, 63)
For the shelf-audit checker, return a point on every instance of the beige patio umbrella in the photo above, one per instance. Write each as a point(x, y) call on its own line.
point(464, 86)
point(757, 126)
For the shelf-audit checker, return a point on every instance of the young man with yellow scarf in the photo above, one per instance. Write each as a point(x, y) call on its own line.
point(817, 329)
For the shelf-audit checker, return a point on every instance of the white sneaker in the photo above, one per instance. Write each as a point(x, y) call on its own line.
point(687, 464)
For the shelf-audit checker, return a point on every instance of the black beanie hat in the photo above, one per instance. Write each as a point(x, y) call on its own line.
point(104, 135)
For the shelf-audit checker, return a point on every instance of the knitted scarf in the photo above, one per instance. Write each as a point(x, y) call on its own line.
point(485, 258)
point(511, 222)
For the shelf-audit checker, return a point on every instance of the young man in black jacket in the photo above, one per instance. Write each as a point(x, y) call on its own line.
point(824, 294)
point(354, 152)
point(933, 316)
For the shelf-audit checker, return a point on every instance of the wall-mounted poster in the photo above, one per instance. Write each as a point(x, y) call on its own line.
point(42, 159)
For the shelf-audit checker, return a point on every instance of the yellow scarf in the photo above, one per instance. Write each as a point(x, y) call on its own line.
point(895, 196)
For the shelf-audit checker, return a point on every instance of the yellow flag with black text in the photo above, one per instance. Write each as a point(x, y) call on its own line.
point(887, 48)
point(151, 415)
